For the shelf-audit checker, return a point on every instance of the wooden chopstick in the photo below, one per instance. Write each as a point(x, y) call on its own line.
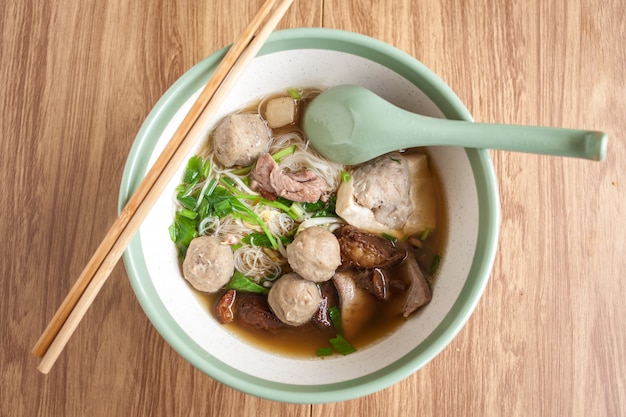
point(61, 327)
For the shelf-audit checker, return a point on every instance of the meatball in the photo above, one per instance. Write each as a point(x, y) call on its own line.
point(294, 300)
point(208, 264)
point(240, 139)
point(314, 254)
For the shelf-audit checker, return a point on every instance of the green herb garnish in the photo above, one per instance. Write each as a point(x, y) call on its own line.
point(390, 238)
point(335, 318)
point(341, 345)
point(434, 264)
point(325, 351)
point(294, 93)
point(240, 282)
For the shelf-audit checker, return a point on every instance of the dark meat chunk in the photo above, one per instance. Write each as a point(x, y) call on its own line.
point(330, 299)
point(375, 281)
point(419, 293)
point(225, 307)
point(254, 311)
point(248, 309)
point(366, 250)
point(271, 181)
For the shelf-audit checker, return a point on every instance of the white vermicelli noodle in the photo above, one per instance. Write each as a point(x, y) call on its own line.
point(257, 263)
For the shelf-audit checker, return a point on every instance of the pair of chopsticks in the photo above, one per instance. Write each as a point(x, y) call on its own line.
point(240, 54)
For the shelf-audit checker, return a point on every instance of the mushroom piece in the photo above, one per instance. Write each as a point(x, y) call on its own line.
point(367, 250)
point(314, 254)
point(249, 309)
point(240, 139)
point(208, 264)
point(356, 304)
point(294, 300)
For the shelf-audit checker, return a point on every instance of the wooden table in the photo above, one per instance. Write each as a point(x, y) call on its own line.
point(548, 338)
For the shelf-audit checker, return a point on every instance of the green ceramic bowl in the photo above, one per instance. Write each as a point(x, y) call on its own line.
point(317, 57)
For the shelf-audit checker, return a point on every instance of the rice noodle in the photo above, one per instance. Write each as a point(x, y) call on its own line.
point(258, 263)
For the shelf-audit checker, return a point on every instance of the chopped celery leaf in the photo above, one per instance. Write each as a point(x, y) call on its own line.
point(325, 351)
point(240, 282)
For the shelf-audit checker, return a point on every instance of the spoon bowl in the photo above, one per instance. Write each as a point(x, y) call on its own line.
point(350, 124)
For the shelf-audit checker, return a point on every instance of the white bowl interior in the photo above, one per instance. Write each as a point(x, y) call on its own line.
point(320, 68)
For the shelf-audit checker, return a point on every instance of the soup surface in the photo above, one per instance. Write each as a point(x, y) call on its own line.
point(241, 212)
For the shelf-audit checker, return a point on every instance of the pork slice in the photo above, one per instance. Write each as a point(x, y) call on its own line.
point(260, 176)
point(303, 187)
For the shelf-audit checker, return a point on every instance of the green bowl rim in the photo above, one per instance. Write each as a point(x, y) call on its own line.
point(489, 219)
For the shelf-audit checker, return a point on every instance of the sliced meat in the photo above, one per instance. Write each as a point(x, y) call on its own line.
point(303, 187)
point(356, 304)
point(366, 250)
point(249, 309)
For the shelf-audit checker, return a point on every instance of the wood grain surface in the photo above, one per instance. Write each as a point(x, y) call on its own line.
point(548, 338)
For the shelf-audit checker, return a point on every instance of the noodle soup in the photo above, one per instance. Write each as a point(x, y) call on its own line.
point(257, 185)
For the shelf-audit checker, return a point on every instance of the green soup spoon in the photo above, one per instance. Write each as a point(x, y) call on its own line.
point(349, 124)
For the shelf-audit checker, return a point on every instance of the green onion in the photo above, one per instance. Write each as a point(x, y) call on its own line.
point(197, 169)
point(188, 202)
point(244, 170)
point(341, 345)
point(325, 351)
point(434, 264)
point(294, 93)
point(222, 208)
point(296, 211)
point(425, 234)
point(345, 176)
point(335, 318)
point(190, 214)
point(290, 150)
point(390, 238)
point(261, 240)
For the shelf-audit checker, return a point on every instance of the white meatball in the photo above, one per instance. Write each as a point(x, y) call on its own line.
point(314, 254)
point(208, 264)
point(240, 139)
point(294, 300)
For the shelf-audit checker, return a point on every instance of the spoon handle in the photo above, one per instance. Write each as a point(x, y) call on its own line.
point(539, 140)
